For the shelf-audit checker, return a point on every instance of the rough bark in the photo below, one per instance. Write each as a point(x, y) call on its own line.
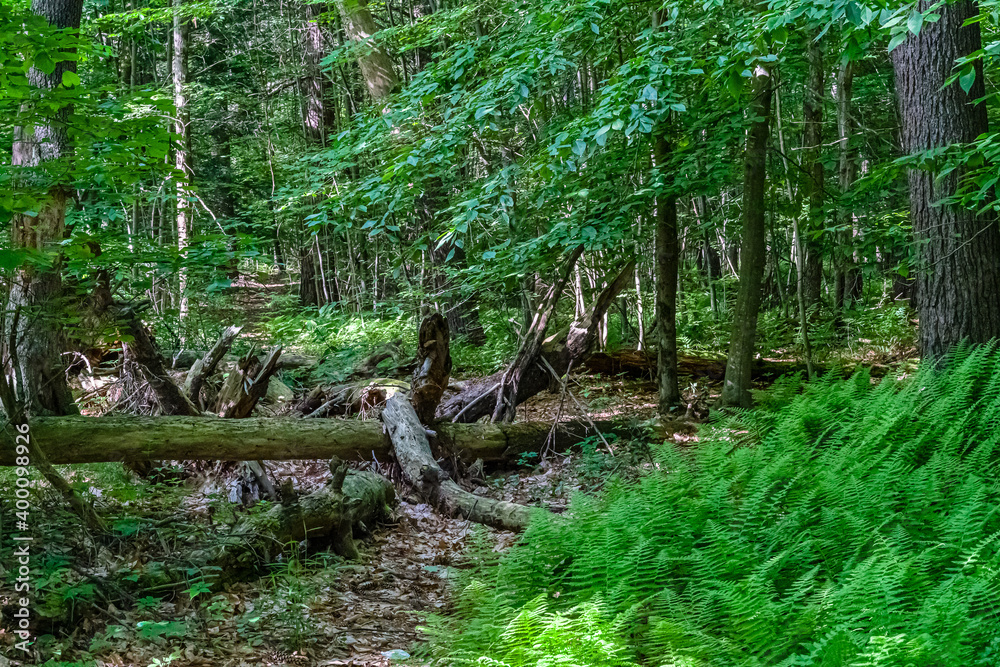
point(245, 387)
point(739, 364)
point(182, 153)
point(142, 350)
point(958, 277)
point(204, 367)
point(666, 284)
point(420, 469)
point(70, 440)
point(376, 65)
point(351, 503)
point(571, 345)
point(33, 361)
point(433, 371)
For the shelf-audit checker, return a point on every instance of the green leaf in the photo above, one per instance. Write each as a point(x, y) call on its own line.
point(595, 28)
point(853, 13)
point(44, 63)
point(602, 135)
point(897, 39)
point(915, 22)
point(70, 79)
point(967, 78)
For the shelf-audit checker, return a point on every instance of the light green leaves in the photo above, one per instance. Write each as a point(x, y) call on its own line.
point(70, 79)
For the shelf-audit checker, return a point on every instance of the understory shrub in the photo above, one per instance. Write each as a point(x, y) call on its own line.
point(840, 523)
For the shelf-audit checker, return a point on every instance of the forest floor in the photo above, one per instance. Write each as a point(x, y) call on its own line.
point(312, 608)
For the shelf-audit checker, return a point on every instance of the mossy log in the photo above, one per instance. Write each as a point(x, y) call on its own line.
point(350, 504)
point(68, 440)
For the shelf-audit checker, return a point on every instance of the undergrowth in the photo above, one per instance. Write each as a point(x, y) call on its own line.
point(841, 523)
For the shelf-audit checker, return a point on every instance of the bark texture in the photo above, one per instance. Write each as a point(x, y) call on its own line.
point(739, 363)
point(568, 348)
point(666, 285)
point(958, 279)
point(33, 334)
point(69, 440)
point(420, 468)
point(430, 379)
point(376, 65)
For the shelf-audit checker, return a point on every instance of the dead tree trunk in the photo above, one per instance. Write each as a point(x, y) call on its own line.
point(508, 388)
point(433, 371)
point(420, 468)
point(350, 504)
point(72, 440)
point(204, 367)
point(142, 350)
point(572, 345)
point(246, 386)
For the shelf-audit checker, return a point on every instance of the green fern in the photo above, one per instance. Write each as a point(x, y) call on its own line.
point(842, 523)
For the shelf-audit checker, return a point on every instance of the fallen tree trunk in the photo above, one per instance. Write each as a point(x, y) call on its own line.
point(571, 346)
point(70, 440)
point(420, 468)
point(351, 503)
point(638, 364)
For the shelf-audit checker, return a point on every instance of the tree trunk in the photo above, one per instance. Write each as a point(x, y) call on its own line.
point(666, 282)
point(433, 371)
point(33, 337)
point(182, 153)
point(739, 364)
point(848, 276)
point(570, 347)
point(420, 469)
point(958, 278)
point(812, 165)
point(376, 66)
point(70, 440)
point(350, 503)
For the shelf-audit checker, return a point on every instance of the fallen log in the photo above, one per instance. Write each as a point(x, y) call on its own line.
point(639, 364)
point(569, 347)
point(71, 440)
point(351, 503)
point(351, 398)
point(420, 468)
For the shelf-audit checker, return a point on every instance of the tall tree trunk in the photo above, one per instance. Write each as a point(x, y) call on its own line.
point(33, 334)
point(666, 284)
point(739, 364)
point(958, 279)
point(848, 284)
point(182, 127)
point(376, 65)
point(812, 165)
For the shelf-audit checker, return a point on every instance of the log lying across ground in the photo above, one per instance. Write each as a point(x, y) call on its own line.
point(69, 440)
point(420, 468)
point(638, 364)
point(351, 503)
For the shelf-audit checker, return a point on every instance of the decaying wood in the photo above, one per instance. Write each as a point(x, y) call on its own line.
point(143, 351)
point(573, 344)
point(69, 440)
point(420, 469)
point(352, 398)
point(433, 371)
point(638, 364)
point(505, 403)
point(246, 386)
point(349, 505)
point(181, 360)
point(203, 368)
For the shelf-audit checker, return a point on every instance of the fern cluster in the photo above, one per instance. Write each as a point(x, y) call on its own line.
point(841, 523)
